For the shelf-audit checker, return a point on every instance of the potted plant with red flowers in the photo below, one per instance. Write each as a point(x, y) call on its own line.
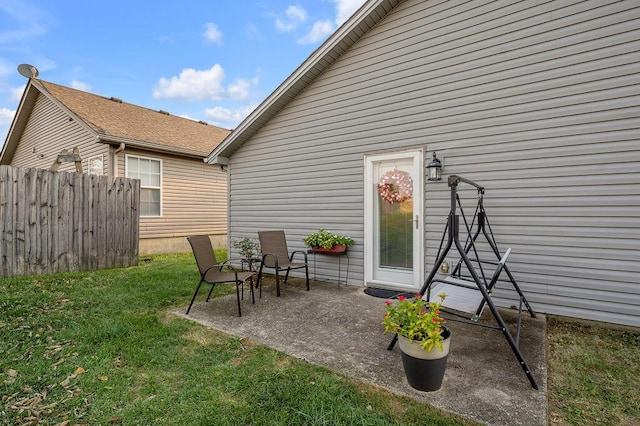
point(424, 340)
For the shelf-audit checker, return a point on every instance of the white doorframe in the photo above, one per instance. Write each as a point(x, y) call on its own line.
point(409, 279)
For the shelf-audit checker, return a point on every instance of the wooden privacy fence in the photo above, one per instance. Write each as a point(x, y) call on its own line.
point(56, 221)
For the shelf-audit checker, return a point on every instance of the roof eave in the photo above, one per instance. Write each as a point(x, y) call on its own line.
point(323, 57)
point(149, 146)
point(19, 122)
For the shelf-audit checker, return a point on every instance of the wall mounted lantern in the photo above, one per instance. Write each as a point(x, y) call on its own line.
point(434, 169)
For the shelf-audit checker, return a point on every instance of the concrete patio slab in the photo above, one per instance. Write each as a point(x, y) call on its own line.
point(339, 327)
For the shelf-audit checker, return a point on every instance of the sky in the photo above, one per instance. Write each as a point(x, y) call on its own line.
point(206, 60)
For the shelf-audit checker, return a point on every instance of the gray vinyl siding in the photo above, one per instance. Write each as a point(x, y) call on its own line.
point(538, 102)
point(194, 197)
point(49, 131)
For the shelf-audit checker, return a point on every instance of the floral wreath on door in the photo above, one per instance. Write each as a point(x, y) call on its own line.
point(395, 186)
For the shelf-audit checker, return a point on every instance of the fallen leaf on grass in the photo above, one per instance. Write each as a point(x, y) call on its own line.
point(67, 382)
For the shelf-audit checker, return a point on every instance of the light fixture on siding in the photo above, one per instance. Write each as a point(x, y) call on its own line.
point(434, 169)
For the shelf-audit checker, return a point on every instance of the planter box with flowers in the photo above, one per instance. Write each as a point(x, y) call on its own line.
point(424, 340)
point(323, 241)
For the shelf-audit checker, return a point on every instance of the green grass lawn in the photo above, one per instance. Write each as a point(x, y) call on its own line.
point(100, 348)
point(593, 373)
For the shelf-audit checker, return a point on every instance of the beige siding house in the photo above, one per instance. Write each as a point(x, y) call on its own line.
point(180, 193)
point(539, 102)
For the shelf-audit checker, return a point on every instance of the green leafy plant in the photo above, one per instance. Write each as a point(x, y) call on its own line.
point(416, 320)
point(326, 239)
point(248, 247)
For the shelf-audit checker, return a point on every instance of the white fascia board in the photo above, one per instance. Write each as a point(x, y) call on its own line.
point(218, 160)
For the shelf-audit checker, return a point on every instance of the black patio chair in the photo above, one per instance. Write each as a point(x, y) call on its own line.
point(212, 272)
point(275, 255)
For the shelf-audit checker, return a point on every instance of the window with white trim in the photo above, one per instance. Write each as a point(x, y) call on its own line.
point(95, 165)
point(149, 171)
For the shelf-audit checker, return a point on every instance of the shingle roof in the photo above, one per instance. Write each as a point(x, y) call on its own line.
point(115, 120)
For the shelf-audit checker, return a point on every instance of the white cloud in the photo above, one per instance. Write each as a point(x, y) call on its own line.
point(320, 31)
point(230, 118)
point(43, 64)
point(239, 90)
point(295, 15)
point(323, 28)
point(193, 85)
point(346, 8)
point(212, 33)
point(6, 117)
point(5, 68)
point(79, 85)
point(253, 33)
point(16, 93)
point(29, 18)
point(206, 85)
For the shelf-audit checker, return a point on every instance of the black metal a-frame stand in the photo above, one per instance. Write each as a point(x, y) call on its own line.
point(474, 281)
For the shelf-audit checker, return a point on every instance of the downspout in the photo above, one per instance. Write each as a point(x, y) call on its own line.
point(114, 171)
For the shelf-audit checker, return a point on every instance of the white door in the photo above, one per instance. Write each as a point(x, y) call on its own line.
point(393, 220)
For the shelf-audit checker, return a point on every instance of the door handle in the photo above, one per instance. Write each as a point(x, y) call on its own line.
point(417, 221)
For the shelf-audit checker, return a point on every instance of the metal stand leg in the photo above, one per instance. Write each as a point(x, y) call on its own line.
point(452, 229)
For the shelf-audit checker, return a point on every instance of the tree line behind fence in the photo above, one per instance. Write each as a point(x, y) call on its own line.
point(56, 221)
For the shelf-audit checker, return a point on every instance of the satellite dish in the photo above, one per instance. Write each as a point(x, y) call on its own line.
point(28, 71)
